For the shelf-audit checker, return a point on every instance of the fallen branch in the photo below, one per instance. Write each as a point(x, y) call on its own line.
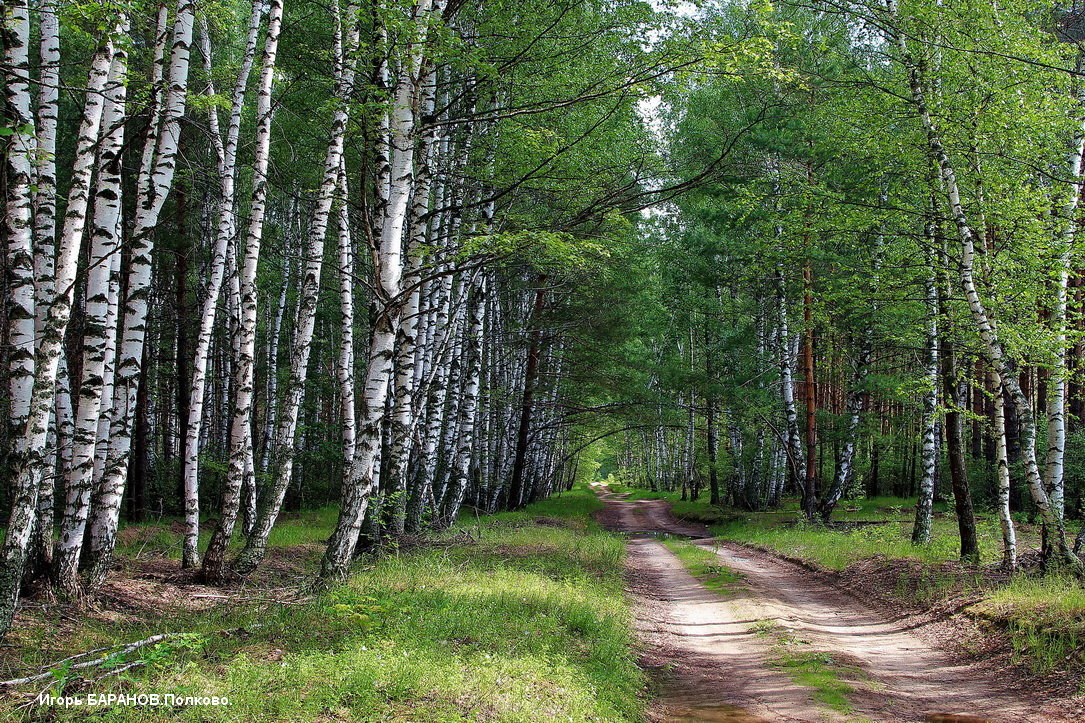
point(116, 650)
point(130, 647)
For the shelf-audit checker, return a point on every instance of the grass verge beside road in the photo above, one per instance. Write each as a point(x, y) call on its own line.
point(514, 617)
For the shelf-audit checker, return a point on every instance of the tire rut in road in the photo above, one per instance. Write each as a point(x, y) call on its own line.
point(713, 667)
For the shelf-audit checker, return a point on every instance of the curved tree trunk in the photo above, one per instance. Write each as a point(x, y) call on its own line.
point(241, 462)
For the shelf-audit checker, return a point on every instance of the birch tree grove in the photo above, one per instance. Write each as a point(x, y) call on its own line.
point(392, 264)
point(165, 389)
point(937, 387)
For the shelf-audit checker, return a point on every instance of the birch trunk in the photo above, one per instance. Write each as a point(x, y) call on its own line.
point(1054, 471)
point(97, 333)
point(44, 249)
point(282, 452)
point(28, 454)
point(407, 361)
point(388, 273)
point(921, 531)
point(796, 458)
point(241, 443)
point(20, 157)
point(1009, 534)
point(984, 325)
point(345, 367)
point(226, 150)
point(157, 169)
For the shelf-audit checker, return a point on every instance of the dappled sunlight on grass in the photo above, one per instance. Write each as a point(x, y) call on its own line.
point(1045, 617)
point(527, 622)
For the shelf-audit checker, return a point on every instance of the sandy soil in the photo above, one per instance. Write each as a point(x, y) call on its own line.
point(711, 667)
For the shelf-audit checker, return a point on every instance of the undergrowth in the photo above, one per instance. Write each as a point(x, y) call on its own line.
point(1044, 617)
point(526, 622)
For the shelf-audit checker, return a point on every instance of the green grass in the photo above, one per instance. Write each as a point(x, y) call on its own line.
point(786, 533)
point(705, 566)
point(1045, 619)
point(526, 623)
point(162, 538)
point(808, 667)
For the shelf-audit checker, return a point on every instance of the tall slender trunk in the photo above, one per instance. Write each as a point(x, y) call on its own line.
point(985, 326)
point(810, 479)
point(282, 452)
point(1009, 535)
point(527, 401)
point(241, 443)
point(157, 170)
point(44, 247)
point(407, 361)
point(19, 217)
point(796, 457)
point(345, 367)
point(28, 453)
point(954, 425)
point(857, 394)
point(921, 531)
point(712, 436)
point(99, 327)
point(1054, 467)
point(388, 281)
point(465, 438)
point(226, 152)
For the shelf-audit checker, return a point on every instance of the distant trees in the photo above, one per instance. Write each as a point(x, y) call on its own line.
point(904, 194)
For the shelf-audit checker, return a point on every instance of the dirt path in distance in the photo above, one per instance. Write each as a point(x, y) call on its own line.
point(712, 667)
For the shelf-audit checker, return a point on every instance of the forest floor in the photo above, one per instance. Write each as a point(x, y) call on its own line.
point(736, 633)
point(511, 617)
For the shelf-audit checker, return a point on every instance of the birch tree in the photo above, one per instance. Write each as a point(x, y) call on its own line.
point(158, 166)
point(282, 451)
point(241, 443)
point(99, 322)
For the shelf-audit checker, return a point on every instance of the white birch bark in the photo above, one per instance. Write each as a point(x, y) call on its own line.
point(1009, 534)
point(796, 455)
point(99, 327)
point(274, 335)
point(1054, 471)
point(20, 156)
point(984, 325)
point(28, 454)
point(388, 273)
point(241, 443)
point(96, 340)
point(157, 169)
point(345, 367)
point(105, 414)
point(44, 248)
point(436, 393)
point(407, 360)
point(282, 452)
point(921, 531)
point(226, 151)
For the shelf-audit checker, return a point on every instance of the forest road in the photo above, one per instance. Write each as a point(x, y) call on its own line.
point(716, 656)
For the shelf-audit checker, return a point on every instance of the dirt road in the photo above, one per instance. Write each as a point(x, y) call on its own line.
point(717, 655)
